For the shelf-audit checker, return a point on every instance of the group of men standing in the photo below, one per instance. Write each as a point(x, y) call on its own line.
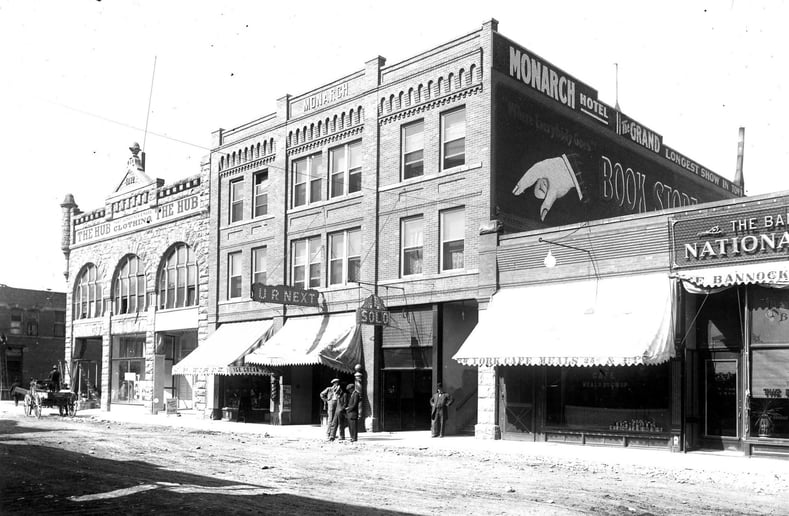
point(343, 406)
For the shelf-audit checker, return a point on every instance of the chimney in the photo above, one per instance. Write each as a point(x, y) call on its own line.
point(738, 179)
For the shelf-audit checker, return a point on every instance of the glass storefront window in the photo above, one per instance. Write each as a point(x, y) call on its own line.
point(128, 369)
point(628, 398)
point(769, 404)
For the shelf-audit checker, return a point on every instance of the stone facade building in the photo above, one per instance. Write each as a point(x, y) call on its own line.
point(137, 273)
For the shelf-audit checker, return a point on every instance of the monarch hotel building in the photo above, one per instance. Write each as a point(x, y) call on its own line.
point(429, 183)
point(137, 276)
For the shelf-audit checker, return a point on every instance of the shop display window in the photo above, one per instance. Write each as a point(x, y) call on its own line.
point(769, 375)
point(128, 370)
point(627, 398)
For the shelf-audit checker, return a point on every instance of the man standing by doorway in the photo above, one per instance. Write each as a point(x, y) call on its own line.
point(439, 402)
point(331, 395)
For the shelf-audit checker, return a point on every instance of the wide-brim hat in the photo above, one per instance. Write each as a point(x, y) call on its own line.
point(335, 380)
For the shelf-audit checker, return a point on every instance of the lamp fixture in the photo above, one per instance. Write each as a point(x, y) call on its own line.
point(550, 259)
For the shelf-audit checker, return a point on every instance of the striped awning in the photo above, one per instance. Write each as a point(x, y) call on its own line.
point(627, 320)
point(224, 351)
point(331, 340)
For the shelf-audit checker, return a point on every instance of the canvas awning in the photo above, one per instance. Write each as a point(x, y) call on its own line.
point(332, 340)
point(613, 321)
point(774, 274)
point(224, 351)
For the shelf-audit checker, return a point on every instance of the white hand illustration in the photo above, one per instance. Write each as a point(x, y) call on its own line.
point(552, 179)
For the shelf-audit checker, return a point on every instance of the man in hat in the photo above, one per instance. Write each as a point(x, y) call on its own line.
point(331, 395)
point(54, 379)
point(439, 402)
point(352, 411)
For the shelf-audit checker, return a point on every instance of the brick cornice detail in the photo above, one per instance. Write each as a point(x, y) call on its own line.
point(248, 166)
point(446, 99)
point(320, 142)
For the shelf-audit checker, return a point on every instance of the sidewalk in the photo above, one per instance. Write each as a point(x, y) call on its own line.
point(421, 440)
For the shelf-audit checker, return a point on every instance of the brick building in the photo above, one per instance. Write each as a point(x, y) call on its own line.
point(32, 334)
point(137, 273)
point(387, 182)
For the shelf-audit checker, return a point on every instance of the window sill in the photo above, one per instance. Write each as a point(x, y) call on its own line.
point(431, 177)
point(320, 204)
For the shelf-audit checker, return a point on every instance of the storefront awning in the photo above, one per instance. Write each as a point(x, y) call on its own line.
point(611, 321)
point(224, 351)
point(331, 340)
point(775, 274)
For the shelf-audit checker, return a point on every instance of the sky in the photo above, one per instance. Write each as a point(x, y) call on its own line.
point(77, 79)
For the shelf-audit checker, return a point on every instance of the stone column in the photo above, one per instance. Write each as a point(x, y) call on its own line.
point(486, 427)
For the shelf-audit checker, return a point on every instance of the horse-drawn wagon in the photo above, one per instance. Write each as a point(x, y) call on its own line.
point(39, 396)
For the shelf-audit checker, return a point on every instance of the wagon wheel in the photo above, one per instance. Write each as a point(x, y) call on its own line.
point(37, 409)
point(28, 404)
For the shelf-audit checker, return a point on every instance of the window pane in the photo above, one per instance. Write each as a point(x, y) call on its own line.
point(315, 275)
point(412, 233)
point(338, 161)
point(354, 269)
point(413, 137)
point(452, 253)
point(355, 243)
point(412, 262)
point(453, 224)
point(455, 125)
point(337, 184)
point(355, 181)
point(336, 246)
point(335, 272)
point(454, 153)
point(316, 190)
point(299, 195)
point(298, 276)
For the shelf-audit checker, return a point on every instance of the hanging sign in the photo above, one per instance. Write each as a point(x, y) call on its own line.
point(284, 295)
point(373, 311)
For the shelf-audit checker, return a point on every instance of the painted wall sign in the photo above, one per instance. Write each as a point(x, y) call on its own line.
point(137, 221)
point(284, 295)
point(324, 98)
point(551, 170)
point(522, 71)
point(724, 239)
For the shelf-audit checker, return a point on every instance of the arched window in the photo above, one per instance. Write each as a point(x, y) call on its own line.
point(177, 284)
point(129, 286)
point(87, 294)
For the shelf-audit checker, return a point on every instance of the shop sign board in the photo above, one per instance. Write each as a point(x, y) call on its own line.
point(561, 156)
point(284, 295)
point(731, 238)
point(373, 311)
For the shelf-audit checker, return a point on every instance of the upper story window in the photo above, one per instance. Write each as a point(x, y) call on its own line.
point(59, 329)
point(453, 138)
point(178, 278)
point(259, 265)
point(261, 193)
point(307, 180)
point(129, 286)
point(413, 149)
point(345, 256)
point(16, 321)
point(411, 245)
point(306, 262)
point(236, 208)
point(31, 323)
point(87, 294)
point(234, 275)
point(346, 169)
point(453, 230)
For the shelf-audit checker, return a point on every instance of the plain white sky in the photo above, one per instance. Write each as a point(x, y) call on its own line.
point(75, 80)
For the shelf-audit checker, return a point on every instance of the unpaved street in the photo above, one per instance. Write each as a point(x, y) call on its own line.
point(86, 466)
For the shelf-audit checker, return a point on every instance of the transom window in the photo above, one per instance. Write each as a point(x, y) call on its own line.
point(16, 321)
point(261, 193)
point(307, 179)
point(306, 262)
point(346, 169)
point(236, 211)
point(87, 294)
point(453, 138)
point(411, 245)
point(259, 265)
point(453, 230)
point(413, 145)
point(178, 279)
point(345, 256)
point(129, 287)
point(234, 275)
point(32, 323)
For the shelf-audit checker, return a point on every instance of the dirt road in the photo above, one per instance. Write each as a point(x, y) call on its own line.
point(85, 466)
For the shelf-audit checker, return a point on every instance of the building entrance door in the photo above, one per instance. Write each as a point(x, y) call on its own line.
point(406, 399)
point(517, 418)
point(721, 402)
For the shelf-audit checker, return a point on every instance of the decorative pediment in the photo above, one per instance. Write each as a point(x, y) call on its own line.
point(135, 176)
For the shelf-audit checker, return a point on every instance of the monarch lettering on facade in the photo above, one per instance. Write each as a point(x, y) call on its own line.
point(325, 97)
point(542, 78)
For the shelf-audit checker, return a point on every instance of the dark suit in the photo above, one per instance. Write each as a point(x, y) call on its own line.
point(439, 401)
point(352, 411)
